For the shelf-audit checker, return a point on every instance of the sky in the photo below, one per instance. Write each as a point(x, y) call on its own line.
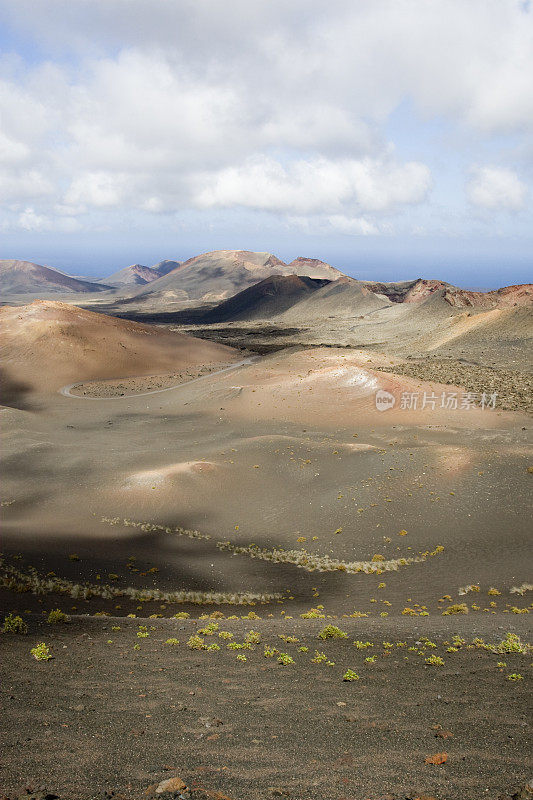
point(391, 138)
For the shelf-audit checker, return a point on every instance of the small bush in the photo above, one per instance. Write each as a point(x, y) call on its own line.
point(313, 613)
point(56, 616)
point(285, 659)
point(457, 608)
point(172, 641)
point(319, 657)
point(252, 637)
point(436, 661)
point(511, 644)
point(332, 632)
point(196, 643)
point(14, 624)
point(515, 676)
point(350, 675)
point(41, 652)
point(181, 615)
point(210, 629)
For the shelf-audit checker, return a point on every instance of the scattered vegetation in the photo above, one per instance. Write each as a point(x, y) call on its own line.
point(15, 580)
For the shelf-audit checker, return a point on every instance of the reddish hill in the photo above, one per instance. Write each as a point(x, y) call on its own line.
point(48, 344)
point(506, 297)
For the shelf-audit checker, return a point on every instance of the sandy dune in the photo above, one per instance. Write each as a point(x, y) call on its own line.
point(47, 344)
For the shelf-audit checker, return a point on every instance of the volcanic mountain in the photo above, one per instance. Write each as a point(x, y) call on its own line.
point(344, 298)
point(139, 275)
point(136, 274)
point(264, 300)
point(24, 277)
point(47, 344)
point(215, 276)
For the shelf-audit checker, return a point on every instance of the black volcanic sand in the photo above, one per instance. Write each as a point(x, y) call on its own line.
point(102, 715)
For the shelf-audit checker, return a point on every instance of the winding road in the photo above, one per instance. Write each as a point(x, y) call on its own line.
point(66, 390)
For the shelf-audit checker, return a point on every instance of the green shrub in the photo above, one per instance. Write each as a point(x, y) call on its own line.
point(285, 658)
point(511, 644)
point(56, 616)
point(196, 643)
point(313, 613)
point(41, 652)
point(332, 632)
point(14, 624)
point(437, 661)
point(350, 675)
point(457, 608)
point(209, 630)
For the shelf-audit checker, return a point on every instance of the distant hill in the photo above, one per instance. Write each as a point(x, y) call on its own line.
point(164, 267)
point(139, 275)
point(24, 277)
point(213, 277)
point(136, 274)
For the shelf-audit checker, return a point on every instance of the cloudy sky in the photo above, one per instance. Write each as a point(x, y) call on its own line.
point(391, 138)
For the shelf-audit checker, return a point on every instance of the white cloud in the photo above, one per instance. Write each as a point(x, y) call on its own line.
point(316, 185)
point(274, 106)
point(496, 188)
point(29, 220)
point(354, 226)
point(97, 189)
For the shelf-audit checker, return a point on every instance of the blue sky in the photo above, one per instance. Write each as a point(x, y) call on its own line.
point(393, 139)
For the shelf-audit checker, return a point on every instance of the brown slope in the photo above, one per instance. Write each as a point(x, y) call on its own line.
point(25, 277)
point(47, 344)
